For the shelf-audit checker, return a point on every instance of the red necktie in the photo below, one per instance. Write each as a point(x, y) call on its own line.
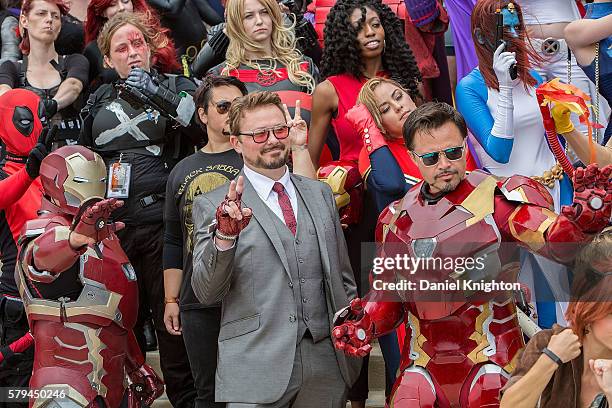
point(285, 205)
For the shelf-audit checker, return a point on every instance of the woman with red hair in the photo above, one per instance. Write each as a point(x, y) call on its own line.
point(57, 79)
point(99, 12)
point(553, 368)
point(498, 99)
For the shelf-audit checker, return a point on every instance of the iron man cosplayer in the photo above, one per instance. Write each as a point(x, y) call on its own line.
point(80, 291)
point(460, 348)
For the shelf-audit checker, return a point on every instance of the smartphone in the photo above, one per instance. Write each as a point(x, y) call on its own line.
point(499, 39)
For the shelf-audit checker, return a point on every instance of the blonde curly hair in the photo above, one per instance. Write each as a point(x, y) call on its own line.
point(283, 43)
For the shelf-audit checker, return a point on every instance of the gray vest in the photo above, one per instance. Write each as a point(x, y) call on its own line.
point(306, 270)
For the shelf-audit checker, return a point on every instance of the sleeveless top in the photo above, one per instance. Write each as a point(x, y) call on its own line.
point(67, 119)
point(549, 11)
point(347, 88)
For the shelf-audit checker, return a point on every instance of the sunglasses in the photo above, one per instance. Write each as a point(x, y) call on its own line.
point(452, 154)
point(222, 106)
point(262, 135)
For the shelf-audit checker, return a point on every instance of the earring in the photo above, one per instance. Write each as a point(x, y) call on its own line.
point(384, 45)
point(587, 330)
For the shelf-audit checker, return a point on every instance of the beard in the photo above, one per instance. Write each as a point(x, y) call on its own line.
point(449, 186)
point(445, 187)
point(273, 163)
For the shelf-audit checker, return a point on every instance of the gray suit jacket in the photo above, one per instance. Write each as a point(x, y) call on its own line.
point(257, 339)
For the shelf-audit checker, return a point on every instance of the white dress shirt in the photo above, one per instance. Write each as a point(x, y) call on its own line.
point(263, 186)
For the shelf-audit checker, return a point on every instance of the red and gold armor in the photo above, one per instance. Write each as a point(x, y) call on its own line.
point(81, 303)
point(345, 181)
point(461, 347)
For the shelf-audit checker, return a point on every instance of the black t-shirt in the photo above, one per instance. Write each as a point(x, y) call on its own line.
point(199, 173)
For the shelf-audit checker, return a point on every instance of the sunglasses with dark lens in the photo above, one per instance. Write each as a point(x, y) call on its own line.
point(222, 107)
point(452, 153)
point(262, 135)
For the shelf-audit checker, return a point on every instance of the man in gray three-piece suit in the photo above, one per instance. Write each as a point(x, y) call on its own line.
point(273, 252)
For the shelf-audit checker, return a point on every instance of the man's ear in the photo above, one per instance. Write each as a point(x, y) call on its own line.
point(235, 142)
point(203, 116)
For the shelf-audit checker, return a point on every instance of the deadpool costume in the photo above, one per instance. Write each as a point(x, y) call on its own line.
point(22, 145)
point(81, 300)
point(461, 348)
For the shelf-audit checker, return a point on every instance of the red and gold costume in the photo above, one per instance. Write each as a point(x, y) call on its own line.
point(461, 346)
point(345, 181)
point(81, 303)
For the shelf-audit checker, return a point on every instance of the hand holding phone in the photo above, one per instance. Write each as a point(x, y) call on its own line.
point(503, 63)
point(499, 41)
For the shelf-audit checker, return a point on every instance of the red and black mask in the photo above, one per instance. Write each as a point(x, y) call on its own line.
point(22, 118)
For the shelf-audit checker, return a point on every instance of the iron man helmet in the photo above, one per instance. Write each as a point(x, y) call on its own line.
point(72, 175)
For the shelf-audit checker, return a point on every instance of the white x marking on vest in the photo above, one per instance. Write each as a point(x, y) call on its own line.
point(126, 124)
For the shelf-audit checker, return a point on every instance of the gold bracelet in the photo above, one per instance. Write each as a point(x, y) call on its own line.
point(171, 300)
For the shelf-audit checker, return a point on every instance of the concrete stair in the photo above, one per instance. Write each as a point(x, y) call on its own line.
point(376, 380)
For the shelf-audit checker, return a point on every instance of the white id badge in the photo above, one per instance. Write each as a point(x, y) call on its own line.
point(118, 180)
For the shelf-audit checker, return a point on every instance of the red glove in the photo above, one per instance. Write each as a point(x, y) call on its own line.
point(146, 385)
point(92, 219)
point(228, 224)
point(353, 330)
point(592, 199)
point(360, 117)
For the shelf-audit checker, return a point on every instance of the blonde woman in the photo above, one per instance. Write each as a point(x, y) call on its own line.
point(262, 53)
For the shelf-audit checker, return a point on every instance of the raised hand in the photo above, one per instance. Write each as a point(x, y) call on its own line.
point(360, 117)
point(563, 118)
point(565, 345)
point(142, 80)
point(592, 204)
point(602, 369)
point(298, 129)
point(353, 330)
point(92, 225)
point(231, 217)
point(40, 150)
point(502, 62)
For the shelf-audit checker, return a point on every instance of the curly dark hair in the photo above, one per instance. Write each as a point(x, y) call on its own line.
point(341, 53)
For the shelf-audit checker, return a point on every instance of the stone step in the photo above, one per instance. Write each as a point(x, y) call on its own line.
point(376, 379)
point(376, 400)
point(376, 369)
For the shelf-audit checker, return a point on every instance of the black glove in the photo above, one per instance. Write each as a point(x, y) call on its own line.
point(213, 52)
point(50, 107)
point(40, 151)
point(141, 80)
